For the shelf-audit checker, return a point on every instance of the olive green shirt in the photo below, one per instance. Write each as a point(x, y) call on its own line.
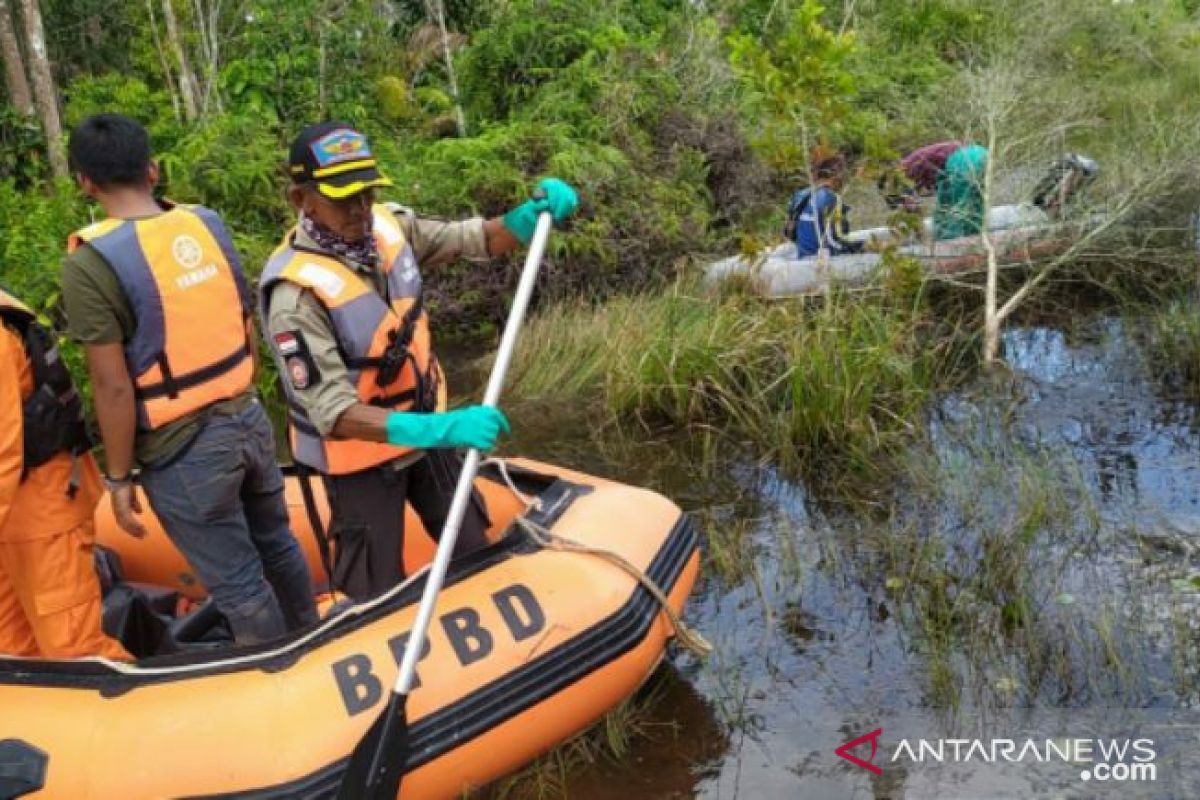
point(98, 312)
point(293, 308)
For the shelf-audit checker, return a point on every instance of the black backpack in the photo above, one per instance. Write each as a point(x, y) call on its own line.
point(53, 414)
point(795, 208)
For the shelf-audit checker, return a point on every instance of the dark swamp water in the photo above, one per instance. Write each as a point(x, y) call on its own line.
point(1030, 576)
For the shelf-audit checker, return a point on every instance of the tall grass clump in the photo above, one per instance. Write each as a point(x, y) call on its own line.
point(859, 378)
point(699, 362)
point(1173, 344)
point(813, 385)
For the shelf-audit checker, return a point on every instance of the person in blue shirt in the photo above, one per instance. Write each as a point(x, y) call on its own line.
point(817, 217)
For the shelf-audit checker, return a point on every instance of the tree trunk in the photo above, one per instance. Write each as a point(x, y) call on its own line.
point(14, 65)
point(44, 90)
point(94, 29)
point(168, 76)
point(207, 21)
point(439, 13)
point(187, 78)
point(847, 17)
point(214, 64)
point(991, 323)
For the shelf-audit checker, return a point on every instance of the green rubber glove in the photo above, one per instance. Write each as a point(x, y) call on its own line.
point(551, 195)
point(473, 426)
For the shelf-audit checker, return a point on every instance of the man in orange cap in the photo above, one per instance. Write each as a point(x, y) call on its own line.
point(49, 487)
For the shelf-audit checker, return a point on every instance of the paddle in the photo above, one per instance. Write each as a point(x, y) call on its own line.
point(377, 763)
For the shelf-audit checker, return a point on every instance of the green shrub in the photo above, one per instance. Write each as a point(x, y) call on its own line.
point(34, 244)
point(21, 149)
point(241, 176)
point(127, 95)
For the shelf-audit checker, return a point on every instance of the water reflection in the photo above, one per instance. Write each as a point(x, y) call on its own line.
point(1098, 399)
point(825, 624)
point(684, 745)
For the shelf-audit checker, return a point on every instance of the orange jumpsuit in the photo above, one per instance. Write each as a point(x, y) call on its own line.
point(49, 592)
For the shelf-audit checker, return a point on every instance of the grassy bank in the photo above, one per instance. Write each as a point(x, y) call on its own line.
point(834, 385)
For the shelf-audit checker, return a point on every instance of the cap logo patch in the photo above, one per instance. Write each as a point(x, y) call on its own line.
point(339, 146)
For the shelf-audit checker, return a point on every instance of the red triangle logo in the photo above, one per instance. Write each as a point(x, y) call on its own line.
point(872, 737)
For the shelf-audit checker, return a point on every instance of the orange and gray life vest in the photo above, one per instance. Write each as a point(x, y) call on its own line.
point(185, 285)
point(52, 415)
point(384, 342)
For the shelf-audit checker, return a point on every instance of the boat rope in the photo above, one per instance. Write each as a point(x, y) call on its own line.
point(688, 637)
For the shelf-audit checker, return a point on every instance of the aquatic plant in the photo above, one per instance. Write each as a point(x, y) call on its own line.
point(986, 588)
point(1172, 342)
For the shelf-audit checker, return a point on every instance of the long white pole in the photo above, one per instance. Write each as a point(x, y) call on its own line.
point(462, 492)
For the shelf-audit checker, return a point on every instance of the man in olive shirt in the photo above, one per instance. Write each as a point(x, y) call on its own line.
point(435, 242)
point(156, 297)
point(347, 273)
point(98, 313)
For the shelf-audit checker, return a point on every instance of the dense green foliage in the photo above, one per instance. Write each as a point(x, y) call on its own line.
point(684, 125)
point(681, 123)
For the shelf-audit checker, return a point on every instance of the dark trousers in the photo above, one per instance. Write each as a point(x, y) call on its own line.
point(221, 503)
point(367, 525)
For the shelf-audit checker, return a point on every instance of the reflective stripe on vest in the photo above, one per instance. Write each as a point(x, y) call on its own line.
point(364, 324)
point(185, 286)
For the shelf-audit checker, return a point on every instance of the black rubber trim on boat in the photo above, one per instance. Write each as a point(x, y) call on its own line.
point(556, 493)
point(521, 689)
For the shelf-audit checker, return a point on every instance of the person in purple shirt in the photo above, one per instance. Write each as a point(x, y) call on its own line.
point(916, 175)
point(953, 171)
point(925, 165)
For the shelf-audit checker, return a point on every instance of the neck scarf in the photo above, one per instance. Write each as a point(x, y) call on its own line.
point(361, 252)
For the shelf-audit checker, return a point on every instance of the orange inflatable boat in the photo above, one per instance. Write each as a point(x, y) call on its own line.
point(529, 645)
